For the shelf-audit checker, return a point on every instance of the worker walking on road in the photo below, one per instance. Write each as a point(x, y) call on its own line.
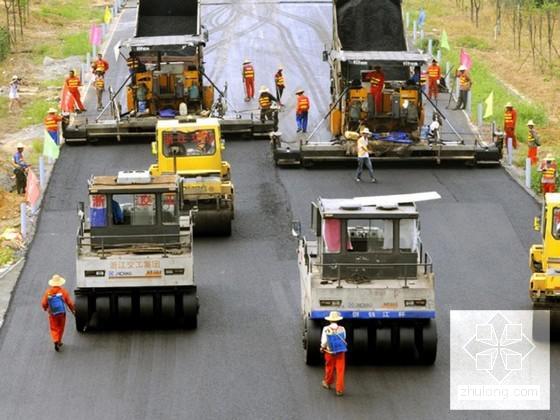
point(100, 65)
point(13, 94)
point(55, 300)
point(248, 74)
point(434, 77)
point(363, 155)
point(302, 111)
point(334, 347)
point(265, 104)
point(280, 84)
point(465, 84)
point(510, 120)
point(549, 174)
point(20, 169)
point(51, 124)
point(377, 81)
point(73, 84)
point(99, 89)
point(533, 142)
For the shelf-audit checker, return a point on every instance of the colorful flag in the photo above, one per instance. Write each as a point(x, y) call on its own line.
point(489, 105)
point(66, 100)
point(32, 189)
point(421, 18)
point(466, 59)
point(443, 42)
point(95, 35)
point(50, 149)
point(107, 16)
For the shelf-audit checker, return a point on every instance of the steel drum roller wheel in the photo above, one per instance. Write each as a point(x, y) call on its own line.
point(312, 343)
point(82, 313)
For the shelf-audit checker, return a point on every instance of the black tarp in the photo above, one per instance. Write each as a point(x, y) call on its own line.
point(167, 17)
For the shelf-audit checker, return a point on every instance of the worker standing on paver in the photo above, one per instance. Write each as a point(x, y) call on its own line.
point(20, 169)
point(363, 155)
point(100, 65)
point(549, 174)
point(13, 94)
point(265, 104)
point(434, 76)
point(334, 347)
point(280, 84)
point(248, 74)
point(376, 83)
point(510, 120)
point(465, 84)
point(302, 111)
point(73, 84)
point(55, 300)
point(99, 84)
point(533, 142)
point(51, 124)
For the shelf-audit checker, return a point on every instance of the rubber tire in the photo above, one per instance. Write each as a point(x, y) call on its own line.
point(168, 312)
point(312, 346)
point(103, 309)
point(226, 228)
point(383, 345)
point(124, 310)
point(82, 313)
point(146, 310)
point(407, 345)
point(359, 350)
point(190, 311)
point(428, 352)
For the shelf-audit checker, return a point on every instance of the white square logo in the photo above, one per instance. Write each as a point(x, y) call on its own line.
point(500, 360)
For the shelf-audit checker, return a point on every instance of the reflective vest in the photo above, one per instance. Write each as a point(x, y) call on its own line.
point(100, 83)
point(248, 71)
point(302, 104)
point(73, 82)
point(549, 174)
point(532, 139)
point(100, 65)
point(376, 79)
point(434, 72)
point(423, 78)
point(51, 122)
point(279, 79)
point(264, 101)
point(132, 63)
point(464, 82)
point(509, 119)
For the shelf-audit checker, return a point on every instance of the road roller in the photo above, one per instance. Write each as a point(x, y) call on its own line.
point(135, 255)
point(192, 147)
point(366, 260)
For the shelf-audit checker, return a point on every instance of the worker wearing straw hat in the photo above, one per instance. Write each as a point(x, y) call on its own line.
point(333, 345)
point(549, 174)
point(51, 124)
point(55, 300)
point(248, 75)
point(533, 142)
point(510, 120)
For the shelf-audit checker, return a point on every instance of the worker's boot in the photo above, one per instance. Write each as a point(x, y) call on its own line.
point(325, 385)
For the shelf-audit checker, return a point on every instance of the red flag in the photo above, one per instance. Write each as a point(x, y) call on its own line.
point(66, 100)
point(32, 189)
point(466, 59)
point(95, 35)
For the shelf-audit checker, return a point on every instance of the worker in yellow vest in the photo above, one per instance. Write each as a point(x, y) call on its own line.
point(265, 103)
point(51, 124)
point(465, 84)
point(549, 174)
point(280, 84)
point(99, 84)
point(73, 84)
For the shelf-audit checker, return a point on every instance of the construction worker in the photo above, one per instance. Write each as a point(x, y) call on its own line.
point(13, 94)
point(280, 84)
point(334, 347)
point(377, 81)
point(533, 142)
point(549, 174)
point(142, 97)
point(55, 300)
point(20, 168)
point(51, 124)
point(434, 76)
point(248, 74)
point(99, 84)
point(510, 119)
point(134, 66)
point(265, 103)
point(73, 83)
point(465, 84)
point(302, 111)
point(363, 155)
point(100, 65)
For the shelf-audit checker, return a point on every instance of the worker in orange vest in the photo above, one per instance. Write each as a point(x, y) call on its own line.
point(510, 119)
point(100, 65)
point(265, 103)
point(377, 81)
point(302, 111)
point(334, 347)
point(73, 83)
point(55, 300)
point(533, 142)
point(280, 84)
point(549, 170)
point(99, 84)
point(434, 76)
point(465, 84)
point(248, 74)
point(51, 124)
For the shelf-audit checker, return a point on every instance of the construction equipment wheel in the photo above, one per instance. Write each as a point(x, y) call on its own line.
point(82, 313)
point(383, 345)
point(428, 344)
point(124, 310)
point(359, 350)
point(407, 345)
point(146, 310)
point(103, 309)
point(190, 312)
point(312, 342)
point(168, 312)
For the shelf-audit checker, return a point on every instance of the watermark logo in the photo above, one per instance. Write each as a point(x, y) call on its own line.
point(496, 364)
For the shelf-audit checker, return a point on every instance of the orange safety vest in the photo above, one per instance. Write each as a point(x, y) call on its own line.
point(423, 78)
point(132, 63)
point(248, 71)
point(264, 101)
point(376, 78)
point(73, 82)
point(549, 175)
point(434, 72)
point(532, 140)
point(279, 79)
point(100, 65)
point(302, 104)
point(51, 122)
point(509, 119)
point(100, 83)
point(464, 82)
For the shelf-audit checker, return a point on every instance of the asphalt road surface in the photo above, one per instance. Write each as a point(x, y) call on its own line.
point(245, 360)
